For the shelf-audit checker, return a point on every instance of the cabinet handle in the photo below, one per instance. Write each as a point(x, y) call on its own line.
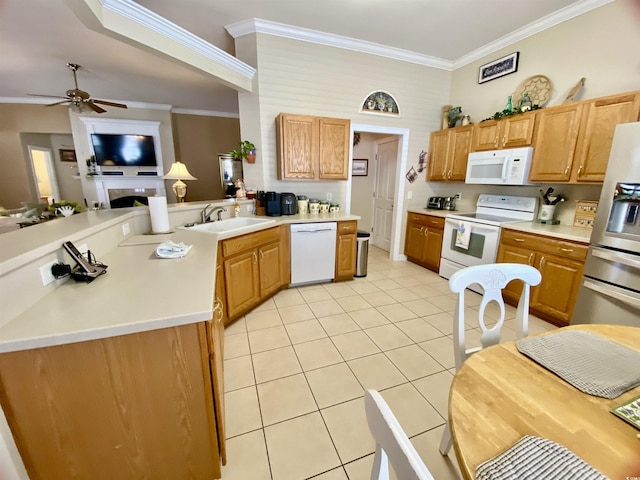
point(566, 170)
point(566, 250)
point(580, 171)
point(444, 174)
point(255, 257)
point(449, 174)
point(426, 229)
point(542, 262)
point(504, 140)
point(518, 239)
point(261, 254)
point(531, 257)
point(495, 142)
point(421, 229)
point(218, 310)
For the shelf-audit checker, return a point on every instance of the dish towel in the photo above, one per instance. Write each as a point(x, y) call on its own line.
point(534, 458)
point(169, 249)
point(463, 235)
point(589, 362)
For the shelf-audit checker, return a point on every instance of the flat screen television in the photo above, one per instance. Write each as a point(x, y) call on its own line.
point(122, 150)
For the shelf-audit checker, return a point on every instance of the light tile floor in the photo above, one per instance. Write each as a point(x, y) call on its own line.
point(296, 368)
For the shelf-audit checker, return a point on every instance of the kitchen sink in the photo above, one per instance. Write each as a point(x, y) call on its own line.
point(230, 224)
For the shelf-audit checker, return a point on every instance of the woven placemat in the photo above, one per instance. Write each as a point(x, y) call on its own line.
point(587, 361)
point(535, 458)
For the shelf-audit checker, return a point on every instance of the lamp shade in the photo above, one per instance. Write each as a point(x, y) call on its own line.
point(179, 172)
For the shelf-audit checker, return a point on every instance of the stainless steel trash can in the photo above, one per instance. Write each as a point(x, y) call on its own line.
point(362, 253)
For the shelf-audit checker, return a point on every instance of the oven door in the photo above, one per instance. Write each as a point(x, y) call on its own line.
point(483, 244)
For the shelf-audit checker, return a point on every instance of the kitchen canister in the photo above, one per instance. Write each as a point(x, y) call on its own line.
point(334, 208)
point(314, 206)
point(303, 204)
point(324, 206)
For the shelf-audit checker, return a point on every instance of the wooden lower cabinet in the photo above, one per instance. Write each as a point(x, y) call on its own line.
point(255, 266)
point(561, 263)
point(126, 407)
point(346, 245)
point(423, 240)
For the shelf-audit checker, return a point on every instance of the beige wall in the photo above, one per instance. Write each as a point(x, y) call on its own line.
point(15, 179)
point(198, 140)
point(601, 45)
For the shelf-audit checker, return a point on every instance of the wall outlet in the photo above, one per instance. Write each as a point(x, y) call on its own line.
point(126, 230)
point(329, 196)
point(45, 273)
point(458, 196)
point(409, 195)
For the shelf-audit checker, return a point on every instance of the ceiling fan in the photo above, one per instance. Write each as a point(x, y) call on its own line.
point(79, 100)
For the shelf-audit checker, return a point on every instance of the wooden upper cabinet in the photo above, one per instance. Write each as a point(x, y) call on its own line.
point(511, 132)
point(334, 148)
point(599, 120)
point(312, 148)
point(555, 145)
point(449, 152)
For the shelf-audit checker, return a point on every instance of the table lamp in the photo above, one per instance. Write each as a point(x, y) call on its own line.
point(179, 172)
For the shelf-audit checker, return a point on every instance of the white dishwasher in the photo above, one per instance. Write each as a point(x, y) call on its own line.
point(313, 252)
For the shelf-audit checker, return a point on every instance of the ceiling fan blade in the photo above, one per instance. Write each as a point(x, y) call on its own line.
point(94, 107)
point(111, 104)
point(57, 103)
point(46, 96)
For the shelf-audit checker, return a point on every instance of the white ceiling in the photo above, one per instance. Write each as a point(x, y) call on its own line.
point(38, 38)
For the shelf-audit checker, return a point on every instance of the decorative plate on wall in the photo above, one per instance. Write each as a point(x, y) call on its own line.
point(380, 102)
point(538, 87)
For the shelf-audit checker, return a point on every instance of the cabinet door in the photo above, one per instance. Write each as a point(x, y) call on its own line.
point(438, 147)
point(458, 153)
point(556, 295)
point(600, 119)
point(555, 144)
point(346, 256)
point(485, 135)
point(414, 240)
point(334, 134)
point(270, 258)
point(510, 254)
point(297, 139)
point(242, 282)
point(517, 130)
point(432, 248)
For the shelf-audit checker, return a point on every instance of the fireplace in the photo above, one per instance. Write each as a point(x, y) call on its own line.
point(129, 197)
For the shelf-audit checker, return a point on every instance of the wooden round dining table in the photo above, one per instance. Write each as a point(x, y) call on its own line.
point(499, 395)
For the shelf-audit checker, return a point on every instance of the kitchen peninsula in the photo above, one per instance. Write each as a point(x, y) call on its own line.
point(124, 372)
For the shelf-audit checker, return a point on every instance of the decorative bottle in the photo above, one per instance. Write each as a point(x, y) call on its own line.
point(509, 107)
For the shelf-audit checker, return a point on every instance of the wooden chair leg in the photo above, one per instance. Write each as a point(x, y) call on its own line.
point(446, 442)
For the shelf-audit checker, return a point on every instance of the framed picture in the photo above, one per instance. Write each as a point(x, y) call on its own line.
point(360, 167)
point(67, 155)
point(499, 68)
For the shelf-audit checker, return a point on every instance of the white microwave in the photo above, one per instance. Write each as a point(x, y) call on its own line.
point(500, 167)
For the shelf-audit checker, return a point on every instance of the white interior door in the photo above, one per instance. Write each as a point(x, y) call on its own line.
point(384, 194)
point(44, 173)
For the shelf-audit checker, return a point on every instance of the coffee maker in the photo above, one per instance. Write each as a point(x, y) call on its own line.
point(289, 204)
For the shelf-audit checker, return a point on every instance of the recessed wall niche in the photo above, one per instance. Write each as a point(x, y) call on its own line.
point(381, 102)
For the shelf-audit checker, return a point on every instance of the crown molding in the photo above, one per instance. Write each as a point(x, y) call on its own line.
point(204, 113)
point(551, 20)
point(257, 25)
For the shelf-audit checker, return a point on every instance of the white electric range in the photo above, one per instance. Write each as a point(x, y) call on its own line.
point(481, 245)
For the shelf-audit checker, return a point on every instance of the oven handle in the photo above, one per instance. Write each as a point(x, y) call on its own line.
point(607, 292)
point(475, 227)
point(622, 258)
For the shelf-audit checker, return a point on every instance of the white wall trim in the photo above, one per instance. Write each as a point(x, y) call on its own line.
point(257, 25)
point(205, 113)
point(395, 250)
point(148, 19)
point(562, 15)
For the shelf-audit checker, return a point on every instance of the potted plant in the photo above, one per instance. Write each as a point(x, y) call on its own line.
point(246, 151)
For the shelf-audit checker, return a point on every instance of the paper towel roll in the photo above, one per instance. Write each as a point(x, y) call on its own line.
point(159, 214)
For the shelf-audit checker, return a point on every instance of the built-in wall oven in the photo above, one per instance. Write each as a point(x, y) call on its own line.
point(610, 290)
point(473, 238)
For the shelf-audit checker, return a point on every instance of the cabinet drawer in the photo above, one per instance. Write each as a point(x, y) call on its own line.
point(426, 220)
point(545, 244)
point(347, 227)
point(249, 241)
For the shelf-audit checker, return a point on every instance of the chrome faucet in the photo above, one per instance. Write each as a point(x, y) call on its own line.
point(219, 211)
point(204, 215)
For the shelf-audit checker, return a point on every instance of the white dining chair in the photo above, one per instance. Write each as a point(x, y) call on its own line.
point(392, 444)
point(492, 278)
